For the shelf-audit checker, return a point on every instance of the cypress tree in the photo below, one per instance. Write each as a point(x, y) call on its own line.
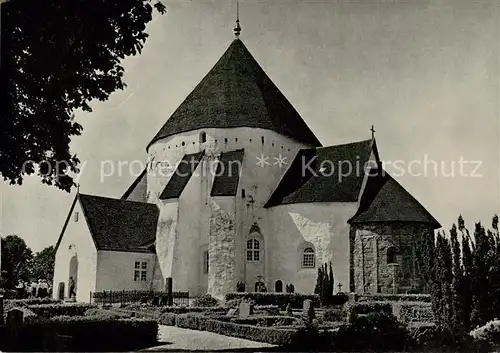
point(325, 285)
point(332, 282)
point(319, 282)
point(467, 263)
point(458, 295)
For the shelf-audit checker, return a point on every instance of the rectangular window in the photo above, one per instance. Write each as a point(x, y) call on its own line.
point(140, 271)
point(205, 262)
point(249, 255)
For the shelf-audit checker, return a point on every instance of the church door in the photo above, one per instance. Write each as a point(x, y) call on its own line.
point(278, 286)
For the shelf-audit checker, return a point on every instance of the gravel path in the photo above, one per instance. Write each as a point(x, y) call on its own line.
point(179, 339)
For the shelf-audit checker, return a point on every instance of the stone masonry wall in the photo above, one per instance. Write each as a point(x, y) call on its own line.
point(222, 249)
point(371, 271)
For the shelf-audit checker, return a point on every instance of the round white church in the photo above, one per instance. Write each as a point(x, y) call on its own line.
point(239, 190)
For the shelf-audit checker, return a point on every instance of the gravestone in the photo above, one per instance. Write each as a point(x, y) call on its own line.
point(245, 309)
point(60, 291)
point(289, 311)
point(14, 324)
point(308, 314)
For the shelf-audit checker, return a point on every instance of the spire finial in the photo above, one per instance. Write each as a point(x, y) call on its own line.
point(77, 188)
point(237, 28)
point(373, 132)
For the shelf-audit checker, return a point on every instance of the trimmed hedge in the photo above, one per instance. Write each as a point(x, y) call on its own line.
point(426, 298)
point(282, 337)
point(51, 310)
point(354, 309)
point(31, 301)
point(87, 334)
point(413, 311)
point(106, 314)
point(280, 299)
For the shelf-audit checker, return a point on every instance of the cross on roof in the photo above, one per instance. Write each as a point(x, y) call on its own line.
point(340, 287)
point(373, 132)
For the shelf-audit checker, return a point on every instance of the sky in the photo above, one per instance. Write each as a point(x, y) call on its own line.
point(424, 73)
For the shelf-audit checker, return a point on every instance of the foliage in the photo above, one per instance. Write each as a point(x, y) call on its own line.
point(52, 310)
point(43, 264)
point(374, 331)
point(16, 260)
point(489, 333)
point(205, 300)
point(425, 298)
point(280, 299)
point(333, 315)
point(106, 314)
point(353, 310)
point(270, 335)
point(324, 284)
point(464, 278)
point(290, 288)
point(57, 57)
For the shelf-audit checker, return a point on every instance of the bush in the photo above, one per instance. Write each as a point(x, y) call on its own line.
point(354, 309)
point(88, 333)
point(205, 300)
point(334, 315)
point(281, 337)
point(265, 321)
point(280, 299)
point(31, 301)
point(413, 311)
point(167, 319)
point(50, 310)
point(489, 333)
point(192, 309)
point(426, 298)
point(374, 331)
point(106, 314)
point(339, 299)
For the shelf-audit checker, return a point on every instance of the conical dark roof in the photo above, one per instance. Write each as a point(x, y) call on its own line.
point(237, 93)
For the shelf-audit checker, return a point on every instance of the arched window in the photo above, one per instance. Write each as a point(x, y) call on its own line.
point(308, 258)
point(253, 250)
point(278, 286)
point(391, 255)
point(203, 137)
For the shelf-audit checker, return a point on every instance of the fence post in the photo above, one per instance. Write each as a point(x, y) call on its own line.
point(169, 288)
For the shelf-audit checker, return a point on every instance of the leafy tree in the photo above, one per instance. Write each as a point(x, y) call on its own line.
point(57, 57)
point(43, 264)
point(16, 261)
point(319, 281)
point(332, 282)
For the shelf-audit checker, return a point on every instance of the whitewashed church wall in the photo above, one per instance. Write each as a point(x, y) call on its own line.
point(76, 240)
point(258, 181)
point(115, 270)
point(192, 227)
point(293, 227)
point(166, 237)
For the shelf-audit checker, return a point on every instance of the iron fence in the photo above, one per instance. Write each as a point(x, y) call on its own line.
point(136, 296)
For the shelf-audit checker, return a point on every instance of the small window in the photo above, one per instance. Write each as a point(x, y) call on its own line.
point(243, 193)
point(203, 137)
point(278, 286)
point(76, 216)
point(205, 261)
point(308, 258)
point(183, 143)
point(249, 140)
point(262, 138)
point(391, 255)
point(272, 144)
point(225, 140)
point(140, 271)
point(236, 139)
point(253, 250)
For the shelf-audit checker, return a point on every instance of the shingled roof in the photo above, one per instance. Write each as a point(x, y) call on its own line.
point(228, 173)
point(120, 225)
point(182, 175)
point(310, 177)
point(385, 200)
point(237, 93)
